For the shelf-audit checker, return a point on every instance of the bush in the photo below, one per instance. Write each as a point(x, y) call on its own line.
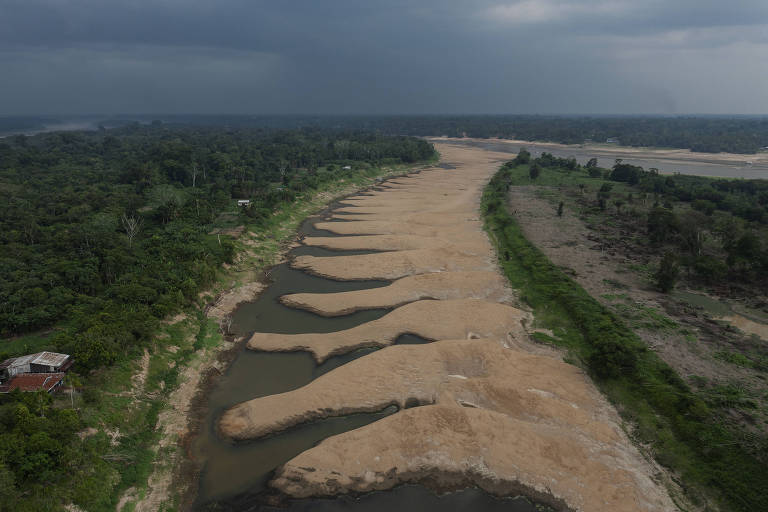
point(668, 272)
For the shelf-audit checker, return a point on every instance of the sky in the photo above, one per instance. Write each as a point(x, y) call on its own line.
point(62, 57)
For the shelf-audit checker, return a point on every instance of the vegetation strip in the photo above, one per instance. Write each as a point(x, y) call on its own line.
point(676, 423)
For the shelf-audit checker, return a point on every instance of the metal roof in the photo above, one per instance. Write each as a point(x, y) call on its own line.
point(34, 382)
point(50, 359)
point(41, 358)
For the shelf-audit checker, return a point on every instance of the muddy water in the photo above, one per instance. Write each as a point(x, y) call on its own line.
point(234, 476)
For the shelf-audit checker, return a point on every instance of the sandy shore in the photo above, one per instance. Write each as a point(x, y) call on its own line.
point(494, 410)
point(610, 151)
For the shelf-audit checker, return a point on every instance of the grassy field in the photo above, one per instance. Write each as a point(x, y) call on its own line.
point(674, 424)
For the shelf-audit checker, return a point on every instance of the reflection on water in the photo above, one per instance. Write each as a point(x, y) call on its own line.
point(406, 498)
point(267, 314)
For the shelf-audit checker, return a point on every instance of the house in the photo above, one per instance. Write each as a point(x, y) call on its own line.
point(43, 370)
point(243, 202)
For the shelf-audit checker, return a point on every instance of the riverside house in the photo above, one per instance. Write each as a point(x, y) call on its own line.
point(34, 372)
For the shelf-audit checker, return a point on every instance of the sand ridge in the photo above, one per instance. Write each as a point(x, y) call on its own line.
point(390, 242)
point(488, 285)
point(454, 447)
point(429, 319)
point(395, 264)
point(470, 373)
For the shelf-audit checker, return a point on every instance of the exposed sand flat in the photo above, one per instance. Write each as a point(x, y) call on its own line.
point(460, 372)
point(381, 227)
point(394, 264)
point(487, 285)
point(390, 242)
point(399, 209)
point(430, 319)
point(426, 219)
point(455, 447)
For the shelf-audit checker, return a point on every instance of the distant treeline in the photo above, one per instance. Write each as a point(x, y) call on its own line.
point(709, 134)
point(108, 231)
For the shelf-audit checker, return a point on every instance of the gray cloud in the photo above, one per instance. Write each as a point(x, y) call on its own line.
point(397, 56)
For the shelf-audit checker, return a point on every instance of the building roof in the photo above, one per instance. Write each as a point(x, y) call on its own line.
point(33, 382)
point(41, 358)
point(50, 359)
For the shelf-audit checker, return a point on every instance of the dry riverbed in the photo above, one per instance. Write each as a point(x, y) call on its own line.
point(480, 405)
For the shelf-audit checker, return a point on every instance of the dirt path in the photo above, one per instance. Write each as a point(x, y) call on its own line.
point(497, 411)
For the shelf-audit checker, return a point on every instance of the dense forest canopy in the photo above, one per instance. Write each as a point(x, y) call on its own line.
point(710, 134)
point(110, 229)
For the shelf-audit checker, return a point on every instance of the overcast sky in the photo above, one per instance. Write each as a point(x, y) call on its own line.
point(377, 56)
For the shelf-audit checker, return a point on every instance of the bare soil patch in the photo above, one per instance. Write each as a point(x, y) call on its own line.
point(604, 261)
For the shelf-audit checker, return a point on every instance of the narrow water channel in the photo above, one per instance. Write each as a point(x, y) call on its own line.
point(234, 476)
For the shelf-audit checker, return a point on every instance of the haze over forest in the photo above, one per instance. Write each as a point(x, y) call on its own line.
point(342, 56)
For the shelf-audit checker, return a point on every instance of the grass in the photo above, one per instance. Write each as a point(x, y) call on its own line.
point(755, 362)
point(677, 425)
point(28, 344)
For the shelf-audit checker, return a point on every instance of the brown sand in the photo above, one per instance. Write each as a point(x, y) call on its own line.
point(394, 264)
point(441, 286)
point(471, 373)
point(430, 319)
point(391, 242)
point(453, 447)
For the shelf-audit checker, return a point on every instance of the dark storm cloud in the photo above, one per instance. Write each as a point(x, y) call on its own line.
point(345, 56)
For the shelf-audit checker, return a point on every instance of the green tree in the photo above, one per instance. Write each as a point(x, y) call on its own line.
point(534, 172)
point(523, 157)
point(668, 272)
point(662, 223)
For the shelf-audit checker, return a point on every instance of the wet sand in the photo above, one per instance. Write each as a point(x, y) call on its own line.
point(480, 406)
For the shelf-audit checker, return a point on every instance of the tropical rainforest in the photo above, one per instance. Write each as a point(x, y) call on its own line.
point(103, 234)
point(708, 134)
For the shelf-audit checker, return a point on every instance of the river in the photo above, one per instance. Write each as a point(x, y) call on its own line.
point(696, 164)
